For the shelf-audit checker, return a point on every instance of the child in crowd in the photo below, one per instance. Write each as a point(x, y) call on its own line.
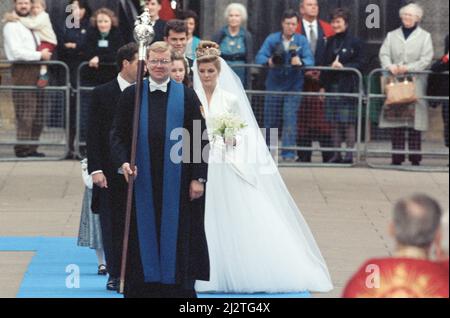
point(39, 22)
point(90, 232)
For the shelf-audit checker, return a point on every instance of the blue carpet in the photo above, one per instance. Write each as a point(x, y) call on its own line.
point(51, 269)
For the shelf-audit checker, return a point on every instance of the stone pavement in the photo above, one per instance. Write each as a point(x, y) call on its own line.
point(347, 209)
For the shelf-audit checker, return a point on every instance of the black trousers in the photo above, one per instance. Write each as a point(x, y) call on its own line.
point(29, 108)
point(307, 141)
point(399, 138)
point(112, 219)
point(160, 291)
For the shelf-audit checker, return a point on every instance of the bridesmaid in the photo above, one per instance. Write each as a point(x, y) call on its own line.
point(90, 232)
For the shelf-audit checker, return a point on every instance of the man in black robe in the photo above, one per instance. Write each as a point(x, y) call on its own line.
point(144, 280)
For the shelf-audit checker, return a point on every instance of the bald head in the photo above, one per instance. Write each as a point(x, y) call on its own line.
point(416, 221)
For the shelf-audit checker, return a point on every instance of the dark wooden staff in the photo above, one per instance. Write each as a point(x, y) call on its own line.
point(144, 35)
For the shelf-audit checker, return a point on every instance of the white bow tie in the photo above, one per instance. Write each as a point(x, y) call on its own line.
point(158, 87)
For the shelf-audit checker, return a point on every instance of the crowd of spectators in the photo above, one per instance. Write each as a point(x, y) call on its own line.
point(419, 267)
point(304, 40)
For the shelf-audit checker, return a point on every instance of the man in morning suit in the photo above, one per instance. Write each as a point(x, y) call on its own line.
point(109, 192)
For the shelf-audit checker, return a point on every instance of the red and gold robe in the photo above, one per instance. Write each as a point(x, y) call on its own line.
point(399, 278)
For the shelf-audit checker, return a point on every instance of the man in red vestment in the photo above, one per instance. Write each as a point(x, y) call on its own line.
point(409, 273)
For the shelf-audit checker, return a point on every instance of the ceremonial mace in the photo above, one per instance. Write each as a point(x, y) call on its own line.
point(144, 35)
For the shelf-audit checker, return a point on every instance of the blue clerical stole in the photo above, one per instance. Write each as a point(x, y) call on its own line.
point(159, 262)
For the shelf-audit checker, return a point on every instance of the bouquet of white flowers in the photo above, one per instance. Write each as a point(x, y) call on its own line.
point(227, 126)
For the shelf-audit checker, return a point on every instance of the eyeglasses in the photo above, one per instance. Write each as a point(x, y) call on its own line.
point(159, 62)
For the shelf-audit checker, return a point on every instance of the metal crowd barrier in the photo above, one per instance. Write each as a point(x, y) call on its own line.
point(315, 115)
point(87, 79)
point(307, 106)
point(378, 144)
point(32, 117)
point(314, 126)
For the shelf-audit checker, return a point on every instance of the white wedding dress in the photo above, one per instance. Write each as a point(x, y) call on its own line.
point(257, 238)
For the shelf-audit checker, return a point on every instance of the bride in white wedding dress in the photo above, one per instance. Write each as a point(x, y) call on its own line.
point(257, 238)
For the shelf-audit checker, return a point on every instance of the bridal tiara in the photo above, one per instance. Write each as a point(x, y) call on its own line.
point(208, 52)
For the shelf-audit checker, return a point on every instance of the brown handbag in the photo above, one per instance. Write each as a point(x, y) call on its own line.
point(403, 112)
point(401, 92)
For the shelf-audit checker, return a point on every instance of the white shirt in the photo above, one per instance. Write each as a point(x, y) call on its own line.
point(287, 43)
point(19, 43)
point(123, 84)
point(307, 30)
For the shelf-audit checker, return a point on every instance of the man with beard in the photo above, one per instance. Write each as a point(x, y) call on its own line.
point(21, 44)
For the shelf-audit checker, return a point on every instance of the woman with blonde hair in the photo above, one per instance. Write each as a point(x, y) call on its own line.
point(103, 41)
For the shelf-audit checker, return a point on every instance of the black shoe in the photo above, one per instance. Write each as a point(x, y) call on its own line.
point(102, 271)
point(36, 155)
point(396, 163)
point(21, 155)
point(113, 284)
point(416, 164)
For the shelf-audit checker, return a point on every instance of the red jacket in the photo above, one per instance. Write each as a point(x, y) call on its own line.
point(326, 27)
point(166, 13)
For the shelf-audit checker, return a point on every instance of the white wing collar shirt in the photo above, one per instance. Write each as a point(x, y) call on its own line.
point(158, 87)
